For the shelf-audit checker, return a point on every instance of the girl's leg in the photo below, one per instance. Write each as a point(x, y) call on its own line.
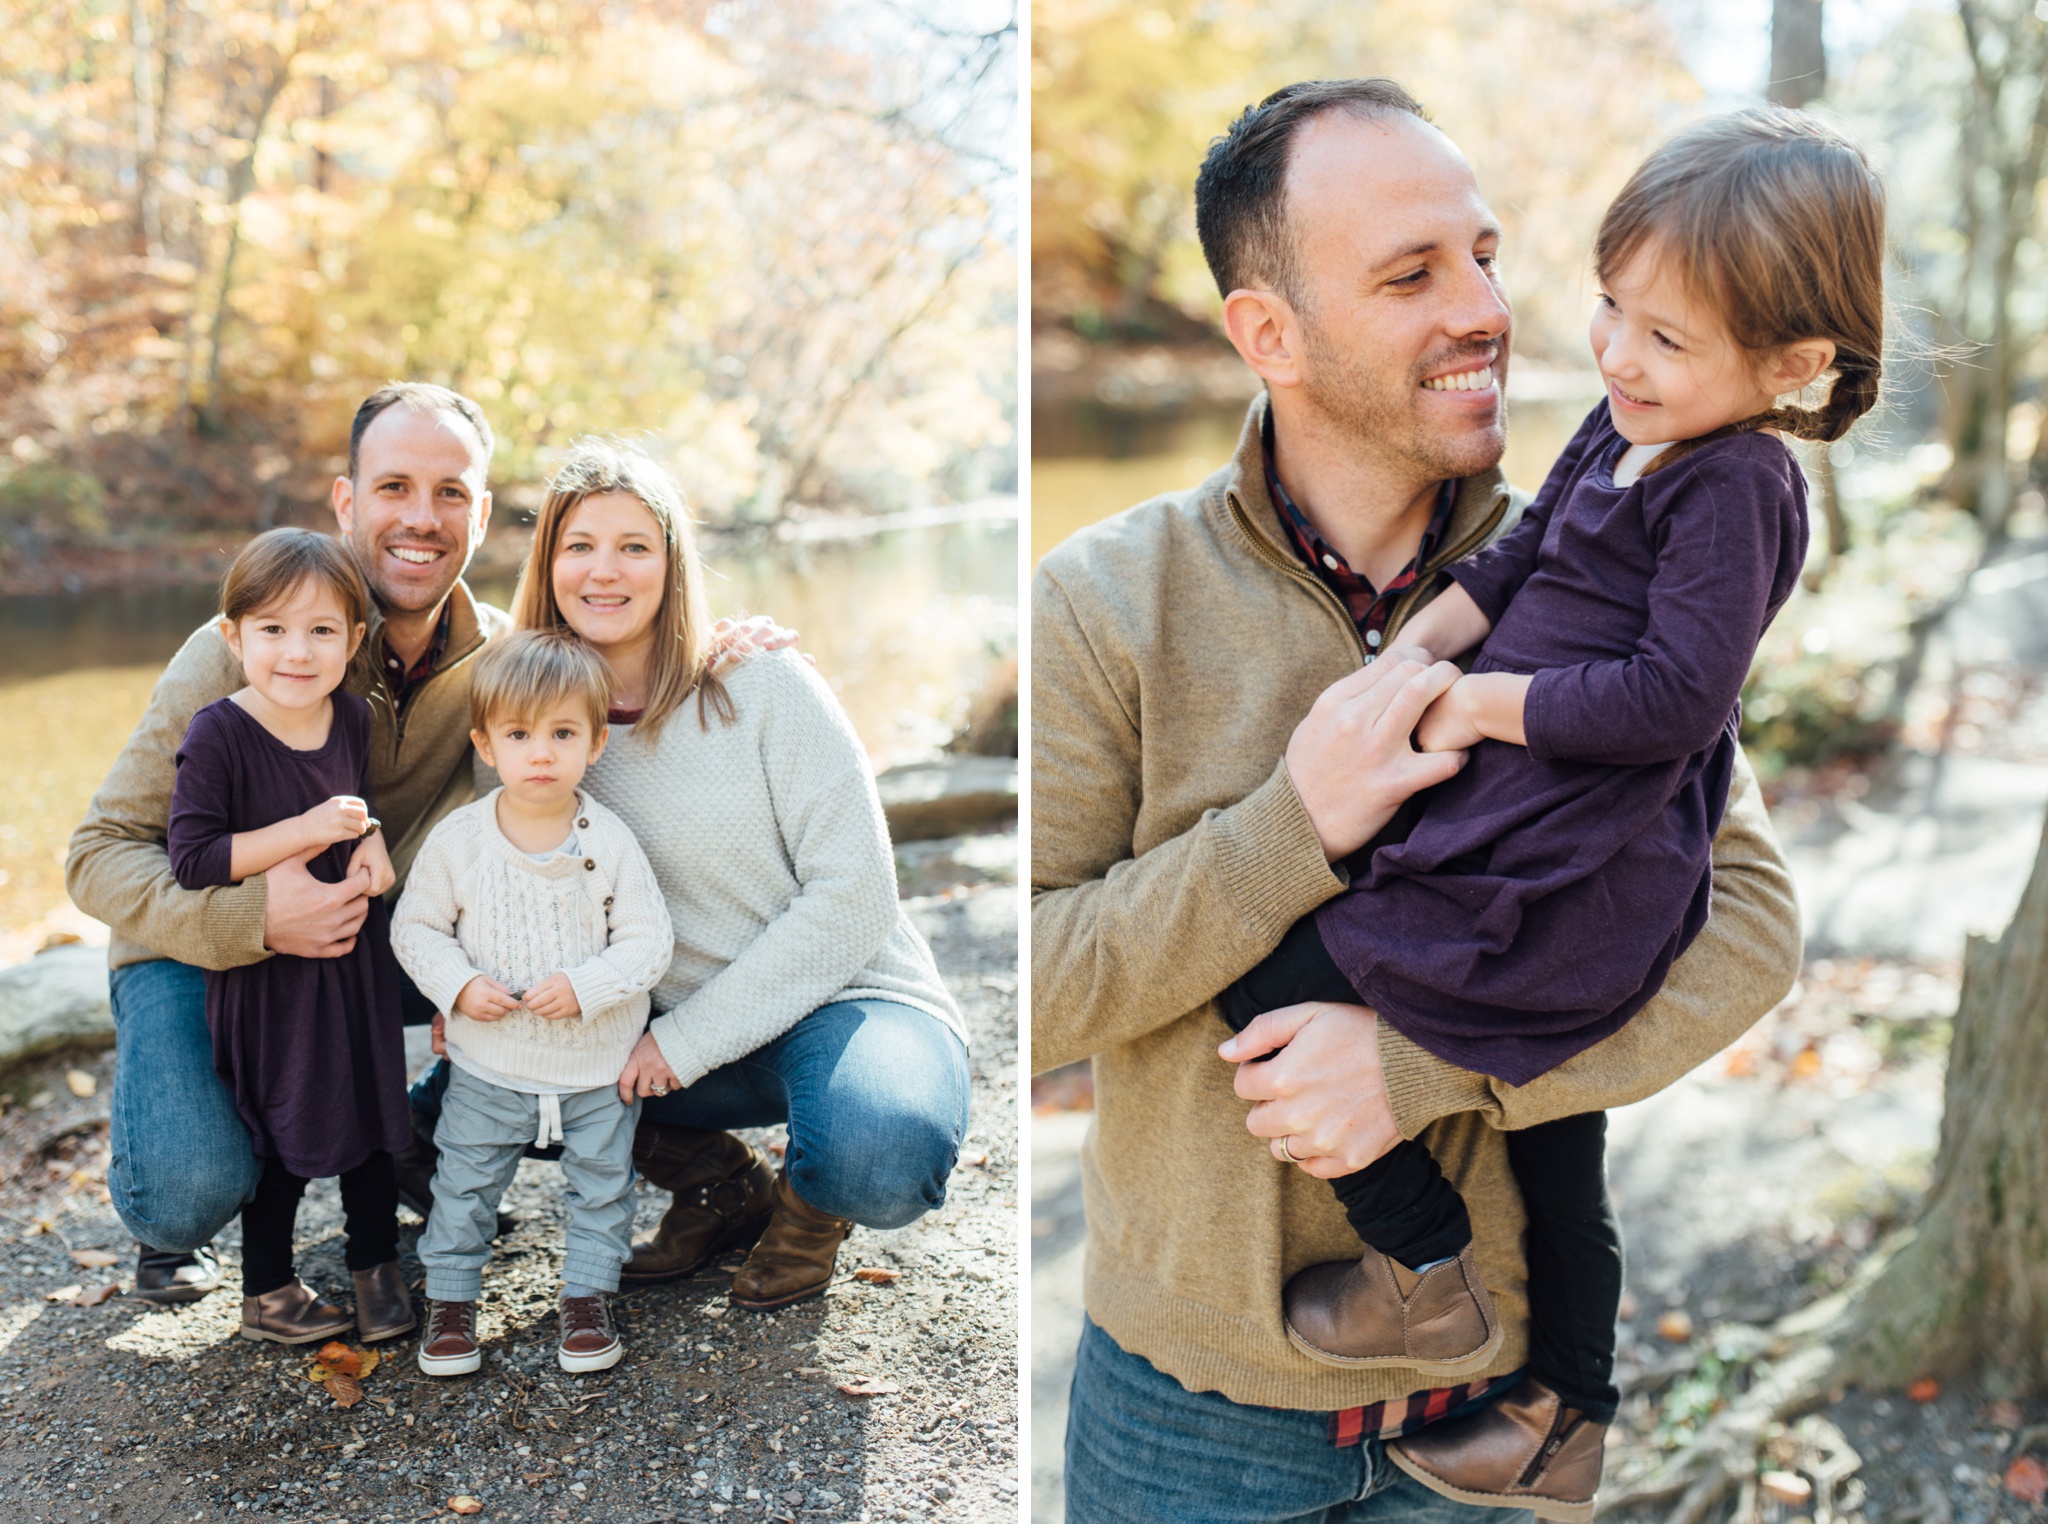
point(369, 1201)
point(267, 1222)
point(1299, 969)
point(1574, 1253)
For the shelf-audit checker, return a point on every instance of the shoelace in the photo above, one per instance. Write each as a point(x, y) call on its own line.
point(457, 1319)
point(582, 1314)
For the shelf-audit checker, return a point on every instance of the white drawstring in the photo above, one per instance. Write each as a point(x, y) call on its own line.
point(550, 1121)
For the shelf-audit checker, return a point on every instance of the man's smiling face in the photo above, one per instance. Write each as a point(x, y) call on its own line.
point(1404, 320)
point(416, 508)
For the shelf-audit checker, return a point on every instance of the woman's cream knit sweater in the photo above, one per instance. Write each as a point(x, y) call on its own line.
point(768, 841)
point(475, 904)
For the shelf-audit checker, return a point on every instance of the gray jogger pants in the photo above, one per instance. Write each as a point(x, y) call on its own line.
point(482, 1135)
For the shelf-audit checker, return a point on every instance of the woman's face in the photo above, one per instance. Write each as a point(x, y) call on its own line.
point(610, 569)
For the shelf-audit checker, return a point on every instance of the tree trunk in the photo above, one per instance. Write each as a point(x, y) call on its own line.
point(1968, 1290)
point(1799, 60)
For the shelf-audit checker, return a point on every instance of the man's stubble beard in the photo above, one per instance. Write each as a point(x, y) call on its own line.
point(370, 562)
point(1384, 416)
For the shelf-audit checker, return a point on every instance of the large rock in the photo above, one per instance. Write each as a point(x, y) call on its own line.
point(56, 999)
point(927, 800)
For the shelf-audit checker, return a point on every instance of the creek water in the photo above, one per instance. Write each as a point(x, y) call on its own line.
point(904, 624)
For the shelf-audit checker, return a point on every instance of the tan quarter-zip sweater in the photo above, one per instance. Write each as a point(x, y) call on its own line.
point(1174, 649)
point(117, 869)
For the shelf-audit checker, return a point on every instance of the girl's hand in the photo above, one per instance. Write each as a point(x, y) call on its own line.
point(646, 1072)
point(1448, 725)
point(374, 858)
point(554, 998)
point(485, 999)
point(342, 818)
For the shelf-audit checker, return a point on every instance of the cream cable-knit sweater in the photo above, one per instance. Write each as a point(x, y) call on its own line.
point(768, 841)
point(475, 904)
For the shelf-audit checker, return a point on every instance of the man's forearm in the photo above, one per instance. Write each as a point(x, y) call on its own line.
point(1737, 969)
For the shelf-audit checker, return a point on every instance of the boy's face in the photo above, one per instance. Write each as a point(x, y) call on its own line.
point(541, 761)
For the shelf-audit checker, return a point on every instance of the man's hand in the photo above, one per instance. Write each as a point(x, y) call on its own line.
point(374, 859)
point(307, 918)
point(485, 999)
point(554, 999)
point(438, 1035)
point(646, 1072)
point(740, 639)
point(1322, 1092)
point(1350, 759)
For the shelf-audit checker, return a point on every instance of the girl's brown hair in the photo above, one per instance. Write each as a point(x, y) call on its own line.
point(273, 564)
point(681, 663)
point(1777, 221)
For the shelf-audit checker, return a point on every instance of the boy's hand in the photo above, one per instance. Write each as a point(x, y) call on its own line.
point(554, 998)
point(374, 857)
point(342, 818)
point(485, 999)
point(1448, 725)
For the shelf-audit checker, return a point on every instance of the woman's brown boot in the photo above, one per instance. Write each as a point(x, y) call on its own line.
point(794, 1258)
point(1528, 1450)
point(291, 1315)
point(723, 1190)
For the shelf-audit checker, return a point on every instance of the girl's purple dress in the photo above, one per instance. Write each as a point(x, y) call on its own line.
point(311, 1048)
point(1546, 890)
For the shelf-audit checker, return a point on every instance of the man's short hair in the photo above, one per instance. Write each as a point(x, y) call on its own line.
point(421, 397)
point(522, 675)
point(1241, 189)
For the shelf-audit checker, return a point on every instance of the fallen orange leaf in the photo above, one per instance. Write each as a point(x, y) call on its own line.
point(1926, 1389)
point(346, 1389)
point(464, 1503)
point(1675, 1327)
point(869, 1388)
point(97, 1295)
point(337, 1356)
point(2027, 1479)
point(875, 1277)
point(1805, 1064)
point(95, 1259)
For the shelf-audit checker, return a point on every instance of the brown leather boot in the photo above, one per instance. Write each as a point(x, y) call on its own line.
point(723, 1190)
point(1527, 1450)
point(1373, 1311)
point(383, 1305)
point(794, 1258)
point(291, 1315)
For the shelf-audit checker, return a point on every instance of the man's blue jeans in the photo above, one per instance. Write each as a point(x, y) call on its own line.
point(1143, 1448)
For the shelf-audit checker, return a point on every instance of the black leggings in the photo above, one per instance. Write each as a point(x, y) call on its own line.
point(1404, 1206)
point(369, 1201)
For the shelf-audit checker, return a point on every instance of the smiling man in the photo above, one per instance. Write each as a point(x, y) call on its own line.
point(1214, 734)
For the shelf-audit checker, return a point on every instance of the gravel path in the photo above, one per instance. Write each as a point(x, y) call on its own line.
point(120, 1412)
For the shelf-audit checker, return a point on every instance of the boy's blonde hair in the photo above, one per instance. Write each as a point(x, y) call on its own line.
point(518, 676)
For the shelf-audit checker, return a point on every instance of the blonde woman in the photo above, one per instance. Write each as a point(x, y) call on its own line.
point(799, 991)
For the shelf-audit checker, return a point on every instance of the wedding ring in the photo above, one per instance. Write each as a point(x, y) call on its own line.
point(1287, 1147)
point(658, 1089)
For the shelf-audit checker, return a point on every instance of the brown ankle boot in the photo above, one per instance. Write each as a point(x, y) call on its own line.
point(383, 1305)
point(723, 1190)
point(1372, 1311)
point(794, 1258)
point(1525, 1451)
point(291, 1315)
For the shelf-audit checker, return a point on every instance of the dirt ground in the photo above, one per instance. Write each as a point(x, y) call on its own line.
point(128, 1414)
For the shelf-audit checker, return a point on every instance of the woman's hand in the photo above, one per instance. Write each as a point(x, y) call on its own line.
point(342, 818)
point(554, 999)
point(485, 999)
point(646, 1072)
point(374, 858)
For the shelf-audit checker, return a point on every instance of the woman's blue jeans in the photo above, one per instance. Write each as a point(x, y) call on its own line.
point(875, 1095)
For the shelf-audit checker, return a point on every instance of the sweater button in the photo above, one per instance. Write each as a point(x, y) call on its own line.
point(607, 902)
point(589, 863)
point(582, 825)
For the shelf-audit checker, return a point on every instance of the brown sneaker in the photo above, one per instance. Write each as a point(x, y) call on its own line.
point(448, 1347)
point(588, 1341)
point(723, 1194)
point(383, 1305)
point(1373, 1311)
point(292, 1315)
point(1525, 1451)
point(794, 1258)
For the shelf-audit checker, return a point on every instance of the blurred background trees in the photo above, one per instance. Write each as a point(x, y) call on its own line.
point(778, 239)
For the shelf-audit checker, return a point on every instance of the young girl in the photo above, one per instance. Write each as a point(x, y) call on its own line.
point(1542, 894)
point(311, 1048)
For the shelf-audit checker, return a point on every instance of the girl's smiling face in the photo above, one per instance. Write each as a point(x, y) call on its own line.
point(610, 570)
point(1673, 371)
point(296, 652)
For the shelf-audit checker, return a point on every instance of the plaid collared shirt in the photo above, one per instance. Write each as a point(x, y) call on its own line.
point(400, 680)
point(1402, 1415)
point(1370, 607)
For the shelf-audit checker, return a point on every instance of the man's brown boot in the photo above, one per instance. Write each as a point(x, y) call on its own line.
point(1527, 1450)
point(1373, 1311)
point(794, 1258)
point(724, 1192)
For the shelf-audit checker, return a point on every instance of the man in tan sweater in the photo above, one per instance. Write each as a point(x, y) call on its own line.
point(1206, 751)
